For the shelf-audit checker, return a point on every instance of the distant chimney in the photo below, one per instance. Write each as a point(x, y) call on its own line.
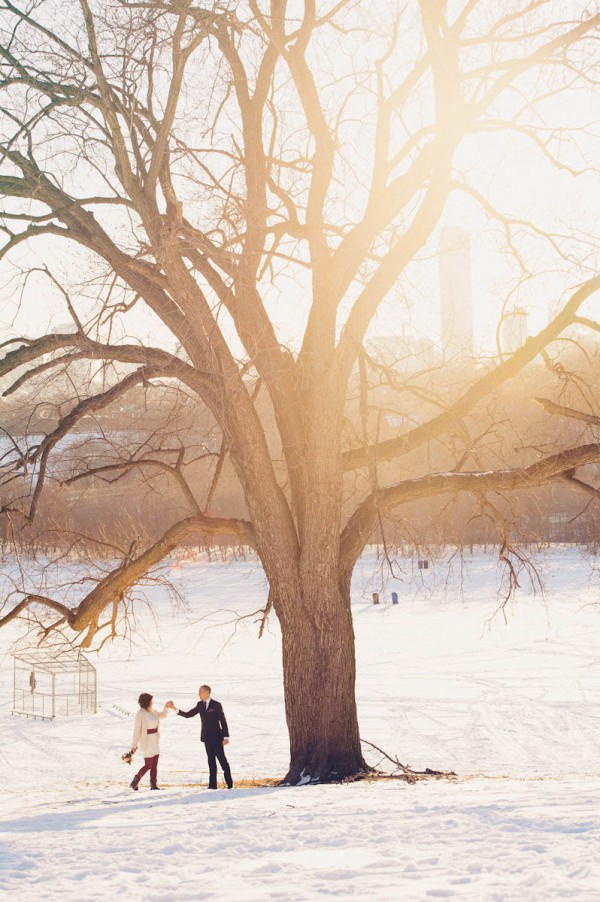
point(456, 300)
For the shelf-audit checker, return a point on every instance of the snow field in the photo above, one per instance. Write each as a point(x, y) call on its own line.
point(513, 709)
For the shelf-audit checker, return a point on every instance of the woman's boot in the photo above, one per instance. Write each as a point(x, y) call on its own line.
point(134, 782)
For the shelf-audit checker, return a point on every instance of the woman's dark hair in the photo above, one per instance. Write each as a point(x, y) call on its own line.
point(145, 700)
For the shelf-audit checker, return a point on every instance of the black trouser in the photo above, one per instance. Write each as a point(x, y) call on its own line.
point(215, 752)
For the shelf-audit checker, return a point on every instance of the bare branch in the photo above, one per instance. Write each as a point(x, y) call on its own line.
point(392, 448)
point(360, 526)
point(552, 408)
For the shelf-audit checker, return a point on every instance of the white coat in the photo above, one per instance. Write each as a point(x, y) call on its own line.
point(148, 743)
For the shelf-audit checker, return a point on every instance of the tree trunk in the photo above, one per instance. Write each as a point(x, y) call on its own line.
point(319, 671)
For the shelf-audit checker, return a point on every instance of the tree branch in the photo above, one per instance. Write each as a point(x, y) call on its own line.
point(361, 524)
point(396, 447)
point(552, 408)
point(114, 587)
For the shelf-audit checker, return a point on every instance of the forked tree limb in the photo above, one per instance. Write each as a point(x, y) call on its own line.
point(92, 404)
point(396, 447)
point(406, 770)
point(34, 349)
point(552, 468)
point(140, 464)
point(86, 614)
point(18, 609)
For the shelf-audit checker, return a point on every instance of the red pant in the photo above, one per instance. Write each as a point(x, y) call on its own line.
point(150, 764)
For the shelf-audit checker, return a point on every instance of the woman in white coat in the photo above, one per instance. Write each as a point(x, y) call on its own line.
point(146, 732)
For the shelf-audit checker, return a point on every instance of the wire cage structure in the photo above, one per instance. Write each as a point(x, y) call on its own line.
point(53, 683)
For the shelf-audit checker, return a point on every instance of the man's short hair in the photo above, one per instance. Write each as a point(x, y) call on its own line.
point(204, 686)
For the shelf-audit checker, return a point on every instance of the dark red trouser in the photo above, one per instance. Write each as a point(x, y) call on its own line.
point(150, 764)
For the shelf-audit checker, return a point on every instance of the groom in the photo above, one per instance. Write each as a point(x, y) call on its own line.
point(214, 734)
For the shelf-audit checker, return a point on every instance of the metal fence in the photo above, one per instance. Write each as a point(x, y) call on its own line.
point(53, 684)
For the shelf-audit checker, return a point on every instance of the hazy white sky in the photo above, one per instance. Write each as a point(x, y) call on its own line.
point(518, 182)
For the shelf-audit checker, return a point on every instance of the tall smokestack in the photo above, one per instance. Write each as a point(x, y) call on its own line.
point(456, 299)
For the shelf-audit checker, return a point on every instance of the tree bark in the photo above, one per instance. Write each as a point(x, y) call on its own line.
point(319, 673)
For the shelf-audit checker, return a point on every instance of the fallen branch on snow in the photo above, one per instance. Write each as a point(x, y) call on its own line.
point(410, 774)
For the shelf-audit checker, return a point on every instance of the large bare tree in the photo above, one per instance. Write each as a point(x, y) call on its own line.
point(225, 164)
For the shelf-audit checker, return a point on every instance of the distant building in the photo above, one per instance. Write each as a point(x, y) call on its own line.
point(456, 293)
point(63, 328)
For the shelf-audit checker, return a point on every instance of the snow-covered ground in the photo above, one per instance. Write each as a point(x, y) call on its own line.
point(513, 708)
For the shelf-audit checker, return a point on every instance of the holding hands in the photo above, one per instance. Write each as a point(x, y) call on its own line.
point(171, 705)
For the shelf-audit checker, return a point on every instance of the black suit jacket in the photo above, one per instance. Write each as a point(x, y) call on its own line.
point(214, 725)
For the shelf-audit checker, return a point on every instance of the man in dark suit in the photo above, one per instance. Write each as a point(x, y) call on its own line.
point(214, 734)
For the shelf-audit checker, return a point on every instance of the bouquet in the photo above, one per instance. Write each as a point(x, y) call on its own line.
point(127, 756)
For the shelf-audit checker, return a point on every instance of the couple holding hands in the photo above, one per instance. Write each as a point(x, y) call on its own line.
point(214, 735)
